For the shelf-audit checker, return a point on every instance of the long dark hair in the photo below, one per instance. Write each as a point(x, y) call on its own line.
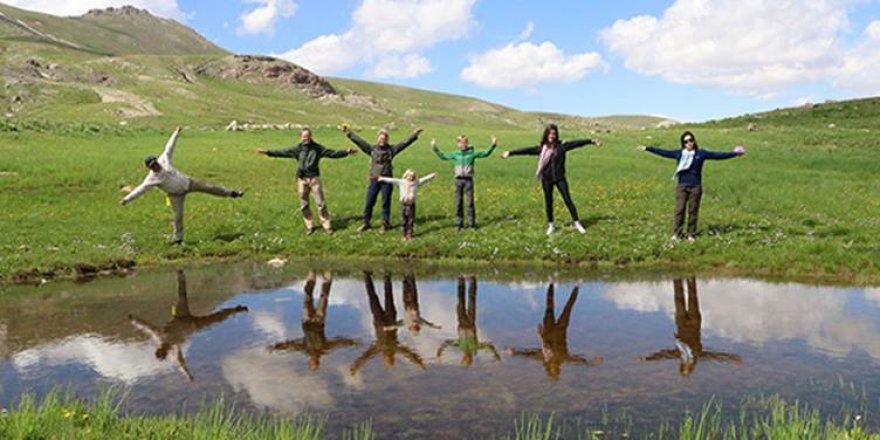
point(547, 130)
point(686, 134)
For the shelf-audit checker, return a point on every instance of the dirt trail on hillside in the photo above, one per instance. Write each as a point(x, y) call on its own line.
point(138, 106)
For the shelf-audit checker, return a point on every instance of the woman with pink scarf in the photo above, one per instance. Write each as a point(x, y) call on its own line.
point(551, 171)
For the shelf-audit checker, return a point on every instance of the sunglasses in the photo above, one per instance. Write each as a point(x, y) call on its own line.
point(687, 141)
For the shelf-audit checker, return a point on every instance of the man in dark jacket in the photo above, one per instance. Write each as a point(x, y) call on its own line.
point(381, 156)
point(307, 154)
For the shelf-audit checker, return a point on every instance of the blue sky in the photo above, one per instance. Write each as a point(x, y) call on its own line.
point(689, 60)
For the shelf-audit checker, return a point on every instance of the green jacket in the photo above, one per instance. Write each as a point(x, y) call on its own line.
point(464, 159)
point(307, 156)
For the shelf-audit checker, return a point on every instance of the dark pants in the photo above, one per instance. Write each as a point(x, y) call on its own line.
point(687, 198)
point(562, 185)
point(464, 188)
point(408, 212)
point(373, 190)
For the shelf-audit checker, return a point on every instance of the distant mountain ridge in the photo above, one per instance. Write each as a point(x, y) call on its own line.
point(124, 65)
point(112, 31)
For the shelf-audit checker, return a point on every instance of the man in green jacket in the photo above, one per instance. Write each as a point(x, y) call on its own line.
point(464, 175)
point(308, 153)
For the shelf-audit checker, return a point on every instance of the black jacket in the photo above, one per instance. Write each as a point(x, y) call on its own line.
point(555, 169)
point(381, 155)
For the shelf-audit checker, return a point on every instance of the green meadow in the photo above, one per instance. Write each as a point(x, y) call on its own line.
point(802, 201)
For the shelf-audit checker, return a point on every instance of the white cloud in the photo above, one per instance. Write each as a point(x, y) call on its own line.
point(162, 8)
point(758, 313)
point(400, 29)
point(527, 32)
point(261, 20)
point(526, 64)
point(408, 66)
point(755, 47)
point(859, 69)
point(123, 361)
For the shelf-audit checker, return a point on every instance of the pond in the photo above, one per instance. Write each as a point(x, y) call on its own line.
point(424, 352)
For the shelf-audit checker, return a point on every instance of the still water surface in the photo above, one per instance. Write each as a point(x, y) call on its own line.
point(425, 354)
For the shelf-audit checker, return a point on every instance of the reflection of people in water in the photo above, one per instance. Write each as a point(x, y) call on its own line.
point(414, 319)
point(554, 338)
point(385, 325)
point(314, 342)
point(181, 326)
point(688, 344)
point(467, 341)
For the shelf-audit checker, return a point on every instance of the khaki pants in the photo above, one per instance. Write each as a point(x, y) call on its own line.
point(305, 186)
point(178, 199)
point(687, 198)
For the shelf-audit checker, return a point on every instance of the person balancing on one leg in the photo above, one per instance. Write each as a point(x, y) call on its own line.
point(464, 176)
point(381, 156)
point(307, 154)
point(175, 184)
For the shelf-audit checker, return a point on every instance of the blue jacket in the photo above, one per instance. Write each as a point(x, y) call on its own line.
point(692, 176)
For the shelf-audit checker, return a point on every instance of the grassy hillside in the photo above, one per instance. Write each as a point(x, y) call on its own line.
point(124, 66)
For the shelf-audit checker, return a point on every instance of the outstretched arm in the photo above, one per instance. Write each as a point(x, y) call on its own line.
point(146, 185)
point(336, 154)
point(440, 154)
point(491, 347)
point(591, 362)
point(670, 154)
point(571, 145)
point(411, 355)
point(714, 155)
point(528, 151)
point(362, 144)
point(406, 142)
point(446, 344)
point(146, 328)
point(425, 179)
point(390, 180)
point(287, 152)
point(489, 151)
point(662, 354)
point(181, 363)
point(366, 356)
point(169, 146)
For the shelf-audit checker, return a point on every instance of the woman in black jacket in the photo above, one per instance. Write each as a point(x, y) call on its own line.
point(551, 171)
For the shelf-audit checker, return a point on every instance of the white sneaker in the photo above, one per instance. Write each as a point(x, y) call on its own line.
point(550, 228)
point(580, 227)
point(674, 238)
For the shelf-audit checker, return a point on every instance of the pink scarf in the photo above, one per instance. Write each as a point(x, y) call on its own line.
point(547, 153)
